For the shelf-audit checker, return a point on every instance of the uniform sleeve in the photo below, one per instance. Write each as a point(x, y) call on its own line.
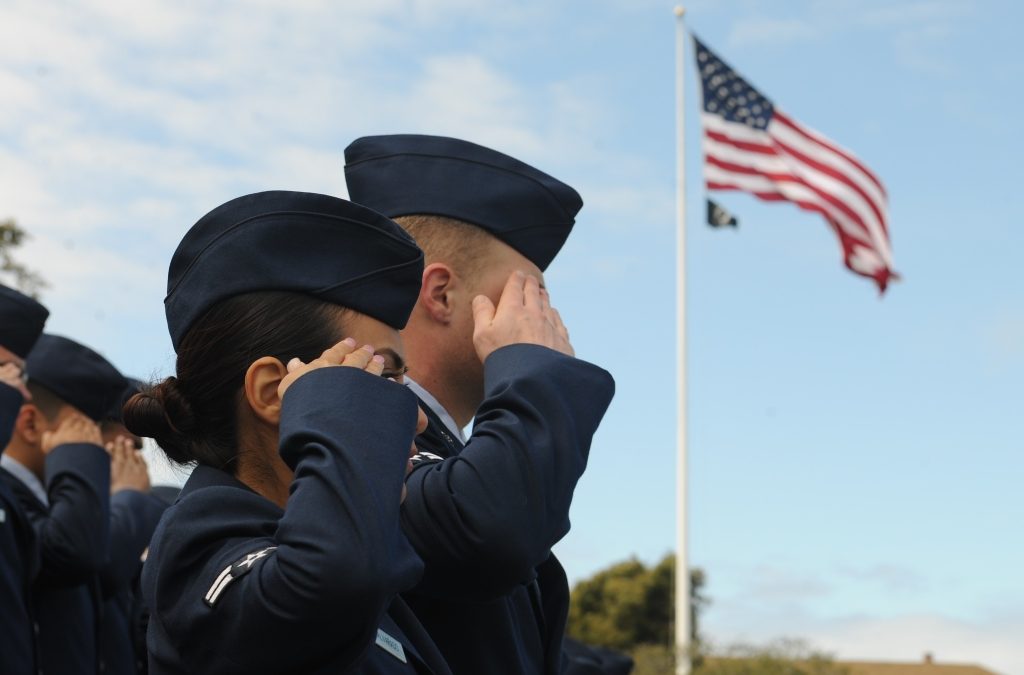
point(133, 518)
point(484, 519)
point(73, 532)
point(10, 404)
point(315, 589)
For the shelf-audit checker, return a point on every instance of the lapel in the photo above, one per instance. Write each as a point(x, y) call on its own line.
point(400, 622)
point(437, 439)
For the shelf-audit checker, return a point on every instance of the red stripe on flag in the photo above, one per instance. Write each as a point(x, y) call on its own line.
point(791, 178)
point(784, 119)
point(763, 149)
point(833, 173)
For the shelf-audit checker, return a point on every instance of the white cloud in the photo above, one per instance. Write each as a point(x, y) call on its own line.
point(125, 122)
point(757, 31)
point(991, 642)
point(860, 612)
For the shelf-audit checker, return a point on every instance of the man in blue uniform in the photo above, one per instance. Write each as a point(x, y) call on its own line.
point(484, 512)
point(60, 472)
point(21, 324)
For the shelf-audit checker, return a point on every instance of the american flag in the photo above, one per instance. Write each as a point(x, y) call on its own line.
point(752, 146)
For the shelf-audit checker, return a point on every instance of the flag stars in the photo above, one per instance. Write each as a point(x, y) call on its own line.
point(729, 95)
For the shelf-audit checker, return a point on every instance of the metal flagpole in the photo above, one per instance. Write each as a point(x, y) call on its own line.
point(682, 586)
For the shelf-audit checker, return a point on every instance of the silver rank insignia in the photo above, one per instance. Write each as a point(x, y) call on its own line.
point(233, 571)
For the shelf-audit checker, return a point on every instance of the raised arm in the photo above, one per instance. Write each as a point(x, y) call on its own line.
point(482, 521)
point(321, 580)
point(73, 532)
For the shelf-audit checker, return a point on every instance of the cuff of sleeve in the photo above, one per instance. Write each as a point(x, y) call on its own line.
point(525, 360)
point(89, 461)
point(352, 407)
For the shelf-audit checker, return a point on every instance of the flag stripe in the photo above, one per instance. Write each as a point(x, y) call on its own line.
point(780, 168)
point(752, 146)
point(792, 162)
point(833, 185)
point(872, 203)
point(796, 192)
point(814, 136)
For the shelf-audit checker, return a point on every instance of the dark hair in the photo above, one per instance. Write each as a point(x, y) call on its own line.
point(45, 400)
point(192, 416)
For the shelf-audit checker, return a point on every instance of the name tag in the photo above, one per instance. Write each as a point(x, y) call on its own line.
point(391, 645)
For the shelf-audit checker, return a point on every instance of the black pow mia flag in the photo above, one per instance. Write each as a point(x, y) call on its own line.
point(719, 217)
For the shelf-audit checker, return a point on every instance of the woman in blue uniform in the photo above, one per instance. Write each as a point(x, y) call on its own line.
point(284, 552)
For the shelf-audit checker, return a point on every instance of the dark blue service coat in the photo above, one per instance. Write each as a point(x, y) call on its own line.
point(10, 405)
point(237, 585)
point(484, 517)
point(133, 518)
point(17, 561)
point(71, 536)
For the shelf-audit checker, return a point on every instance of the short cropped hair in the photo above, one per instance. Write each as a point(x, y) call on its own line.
point(48, 403)
point(456, 243)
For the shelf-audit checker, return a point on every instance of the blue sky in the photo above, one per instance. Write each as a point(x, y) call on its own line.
point(854, 461)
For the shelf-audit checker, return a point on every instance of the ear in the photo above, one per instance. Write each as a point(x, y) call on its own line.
point(436, 293)
point(30, 424)
point(260, 388)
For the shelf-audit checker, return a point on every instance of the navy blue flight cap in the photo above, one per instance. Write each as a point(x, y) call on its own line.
point(407, 174)
point(132, 387)
point(76, 374)
point(321, 246)
point(21, 321)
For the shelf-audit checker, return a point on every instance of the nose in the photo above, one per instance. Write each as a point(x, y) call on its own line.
point(421, 422)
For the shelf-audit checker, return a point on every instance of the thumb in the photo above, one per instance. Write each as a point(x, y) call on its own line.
point(483, 311)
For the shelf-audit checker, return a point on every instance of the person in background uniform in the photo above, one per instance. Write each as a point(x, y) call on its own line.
point(21, 324)
point(483, 513)
point(284, 552)
point(134, 514)
point(55, 463)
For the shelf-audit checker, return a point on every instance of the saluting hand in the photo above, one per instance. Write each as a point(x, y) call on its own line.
point(342, 354)
point(11, 375)
point(128, 470)
point(75, 428)
point(524, 315)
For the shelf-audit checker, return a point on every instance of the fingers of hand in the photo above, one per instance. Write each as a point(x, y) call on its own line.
point(556, 321)
point(512, 294)
point(360, 358)
point(483, 311)
point(531, 294)
point(545, 299)
point(10, 375)
point(337, 354)
point(376, 365)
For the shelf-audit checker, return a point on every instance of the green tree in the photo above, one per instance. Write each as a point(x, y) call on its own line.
point(25, 280)
point(629, 607)
point(629, 604)
point(785, 657)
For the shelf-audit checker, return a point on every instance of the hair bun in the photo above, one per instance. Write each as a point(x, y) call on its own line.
point(163, 413)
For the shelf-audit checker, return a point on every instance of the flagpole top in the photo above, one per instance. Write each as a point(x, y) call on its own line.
point(679, 11)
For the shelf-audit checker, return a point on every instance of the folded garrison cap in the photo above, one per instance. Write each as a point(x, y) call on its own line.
point(76, 374)
point(131, 387)
point(21, 321)
point(321, 246)
point(406, 174)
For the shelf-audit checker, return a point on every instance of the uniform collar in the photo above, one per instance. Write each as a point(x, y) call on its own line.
point(438, 409)
point(21, 472)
